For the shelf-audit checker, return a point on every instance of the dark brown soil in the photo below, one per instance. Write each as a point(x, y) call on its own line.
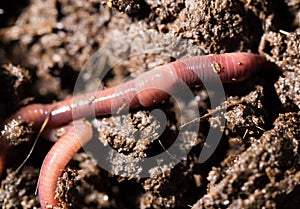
point(45, 44)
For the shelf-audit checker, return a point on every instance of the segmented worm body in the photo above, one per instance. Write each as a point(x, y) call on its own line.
point(147, 89)
point(60, 154)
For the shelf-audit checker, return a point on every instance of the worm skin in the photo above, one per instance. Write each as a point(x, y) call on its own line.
point(61, 153)
point(147, 89)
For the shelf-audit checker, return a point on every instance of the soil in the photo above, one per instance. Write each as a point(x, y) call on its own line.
point(44, 48)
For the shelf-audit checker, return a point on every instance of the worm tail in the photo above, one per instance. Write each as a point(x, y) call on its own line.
point(236, 67)
point(230, 67)
point(58, 157)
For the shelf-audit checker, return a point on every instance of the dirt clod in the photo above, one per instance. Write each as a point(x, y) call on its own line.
point(17, 132)
point(17, 190)
point(282, 48)
point(268, 169)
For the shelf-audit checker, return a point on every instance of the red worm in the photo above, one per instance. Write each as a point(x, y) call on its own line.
point(147, 89)
point(61, 153)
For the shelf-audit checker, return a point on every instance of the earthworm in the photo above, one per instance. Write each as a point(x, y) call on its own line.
point(76, 135)
point(147, 89)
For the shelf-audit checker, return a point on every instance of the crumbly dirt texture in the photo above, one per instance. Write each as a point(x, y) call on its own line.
point(49, 47)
